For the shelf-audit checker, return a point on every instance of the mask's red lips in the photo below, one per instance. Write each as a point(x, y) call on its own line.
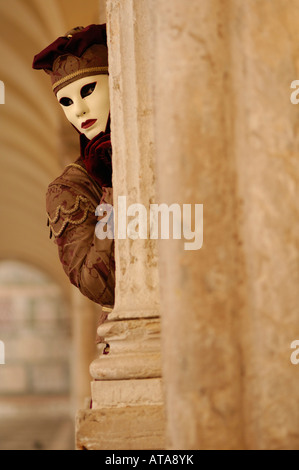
point(88, 123)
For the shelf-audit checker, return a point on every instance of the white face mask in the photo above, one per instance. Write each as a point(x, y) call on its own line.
point(86, 104)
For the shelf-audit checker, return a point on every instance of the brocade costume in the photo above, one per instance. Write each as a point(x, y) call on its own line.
point(71, 201)
point(74, 196)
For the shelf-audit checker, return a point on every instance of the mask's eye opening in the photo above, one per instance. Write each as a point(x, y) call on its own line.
point(65, 101)
point(88, 89)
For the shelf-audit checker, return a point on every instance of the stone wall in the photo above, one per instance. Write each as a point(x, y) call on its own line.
point(227, 137)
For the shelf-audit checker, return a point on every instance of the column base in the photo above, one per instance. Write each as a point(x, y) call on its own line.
point(124, 428)
point(127, 398)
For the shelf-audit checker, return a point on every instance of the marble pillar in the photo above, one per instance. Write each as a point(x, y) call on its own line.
point(127, 399)
point(227, 137)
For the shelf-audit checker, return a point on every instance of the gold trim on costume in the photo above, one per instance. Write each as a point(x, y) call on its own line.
point(75, 165)
point(69, 212)
point(107, 309)
point(78, 73)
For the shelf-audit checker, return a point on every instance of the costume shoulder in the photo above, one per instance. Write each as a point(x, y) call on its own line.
point(71, 198)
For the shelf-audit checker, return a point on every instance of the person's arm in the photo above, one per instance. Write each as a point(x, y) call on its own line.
point(88, 262)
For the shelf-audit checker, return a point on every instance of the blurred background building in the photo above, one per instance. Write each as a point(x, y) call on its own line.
point(199, 341)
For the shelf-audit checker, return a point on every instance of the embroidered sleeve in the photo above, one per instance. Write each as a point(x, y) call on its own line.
point(75, 215)
point(88, 261)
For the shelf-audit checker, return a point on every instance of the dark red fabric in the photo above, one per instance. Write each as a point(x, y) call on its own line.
point(97, 159)
point(84, 140)
point(76, 45)
point(97, 154)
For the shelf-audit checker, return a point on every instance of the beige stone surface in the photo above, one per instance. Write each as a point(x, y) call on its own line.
point(119, 393)
point(127, 366)
point(134, 350)
point(131, 72)
point(127, 428)
point(267, 137)
point(227, 137)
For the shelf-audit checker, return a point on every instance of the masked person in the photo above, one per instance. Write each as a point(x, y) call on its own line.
point(78, 67)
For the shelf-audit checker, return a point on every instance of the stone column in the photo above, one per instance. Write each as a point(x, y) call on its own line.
point(127, 402)
point(226, 137)
point(266, 150)
point(200, 289)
